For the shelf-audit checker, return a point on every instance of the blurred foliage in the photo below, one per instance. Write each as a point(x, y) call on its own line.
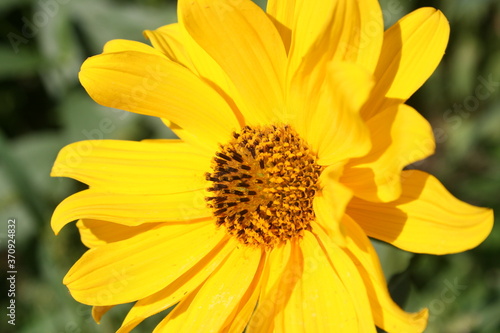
point(43, 108)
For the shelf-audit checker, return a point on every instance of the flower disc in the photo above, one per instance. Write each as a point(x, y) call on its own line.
point(264, 181)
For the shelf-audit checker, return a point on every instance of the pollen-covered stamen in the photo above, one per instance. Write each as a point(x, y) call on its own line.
point(263, 184)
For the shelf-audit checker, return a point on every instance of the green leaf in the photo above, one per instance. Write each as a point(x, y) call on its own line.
point(6, 5)
point(60, 49)
point(400, 287)
point(84, 119)
point(102, 21)
point(18, 64)
point(392, 259)
point(26, 189)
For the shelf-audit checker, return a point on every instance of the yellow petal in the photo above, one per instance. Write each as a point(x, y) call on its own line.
point(425, 219)
point(202, 64)
point(238, 320)
point(182, 307)
point(122, 45)
point(279, 276)
point(318, 301)
point(350, 277)
point(371, 34)
point(134, 167)
point(387, 314)
point(301, 23)
point(135, 268)
point(99, 311)
point(130, 210)
point(219, 296)
point(174, 41)
point(332, 30)
point(243, 41)
point(95, 233)
point(177, 290)
point(191, 139)
point(400, 136)
point(412, 49)
point(327, 103)
point(330, 203)
point(168, 39)
point(153, 85)
point(282, 14)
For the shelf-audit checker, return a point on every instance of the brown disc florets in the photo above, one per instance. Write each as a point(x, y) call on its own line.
point(263, 184)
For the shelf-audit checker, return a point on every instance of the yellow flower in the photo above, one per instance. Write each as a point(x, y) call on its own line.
point(293, 136)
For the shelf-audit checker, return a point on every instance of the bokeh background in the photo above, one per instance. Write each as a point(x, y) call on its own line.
point(43, 108)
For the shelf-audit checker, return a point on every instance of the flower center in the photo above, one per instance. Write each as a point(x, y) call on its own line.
point(263, 184)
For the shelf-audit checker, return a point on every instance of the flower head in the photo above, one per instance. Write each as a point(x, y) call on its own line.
point(293, 134)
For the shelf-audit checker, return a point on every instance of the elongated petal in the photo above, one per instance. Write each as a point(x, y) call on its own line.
point(282, 14)
point(122, 45)
point(308, 22)
point(243, 41)
point(177, 290)
point(330, 203)
point(194, 57)
point(95, 233)
point(350, 277)
point(153, 85)
point(134, 167)
point(387, 314)
point(412, 49)
point(331, 30)
point(400, 136)
point(130, 210)
point(216, 300)
point(99, 311)
point(189, 138)
point(279, 276)
point(169, 40)
point(318, 301)
point(425, 219)
point(135, 268)
point(174, 41)
point(371, 35)
point(238, 320)
point(327, 103)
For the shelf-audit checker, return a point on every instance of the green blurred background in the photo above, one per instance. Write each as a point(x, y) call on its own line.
point(43, 108)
